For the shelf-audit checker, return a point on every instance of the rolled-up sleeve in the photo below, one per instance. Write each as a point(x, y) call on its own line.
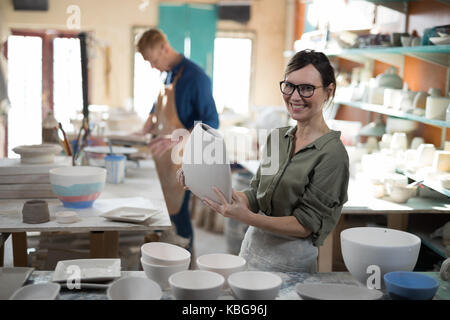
point(321, 204)
point(250, 192)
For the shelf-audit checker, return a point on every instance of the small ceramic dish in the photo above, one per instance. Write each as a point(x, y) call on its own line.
point(66, 217)
point(410, 285)
point(134, 288)
point(334, 291)
point(38, 291)
point(130, 214)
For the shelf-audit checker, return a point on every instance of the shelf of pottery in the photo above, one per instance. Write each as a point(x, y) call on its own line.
point(398, 152)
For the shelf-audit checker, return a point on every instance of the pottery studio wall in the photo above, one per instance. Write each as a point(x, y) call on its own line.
point(112, 22)
point(419, 75)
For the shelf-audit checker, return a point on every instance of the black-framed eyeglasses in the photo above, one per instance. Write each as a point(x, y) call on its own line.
point(304, 90)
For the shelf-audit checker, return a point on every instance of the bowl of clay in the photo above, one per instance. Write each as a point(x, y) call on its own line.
point(371, 251)
point(38, 153)
point(77, 187)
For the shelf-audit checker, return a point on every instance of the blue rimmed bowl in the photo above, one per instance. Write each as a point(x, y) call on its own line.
point(410, 285)
point(77, 187)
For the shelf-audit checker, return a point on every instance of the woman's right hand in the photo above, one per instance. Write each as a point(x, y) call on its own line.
point(180, 178)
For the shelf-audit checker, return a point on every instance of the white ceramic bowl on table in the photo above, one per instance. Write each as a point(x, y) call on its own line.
point(365, 249)
point(222, 263)
point(162, 253)
point(134, 288)
point(196, 285)
point(255, 285)
point(160, 273)
point(38, 291)
point(77, 187)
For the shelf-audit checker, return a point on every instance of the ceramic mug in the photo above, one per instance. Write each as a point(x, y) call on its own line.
point(436, 107)
point(425, 154)
point(399, 141)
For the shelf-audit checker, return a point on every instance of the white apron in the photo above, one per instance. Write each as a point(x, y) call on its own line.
point(266, 251)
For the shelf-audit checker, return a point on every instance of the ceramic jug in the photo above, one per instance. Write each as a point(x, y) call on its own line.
point(389, 79)
point(205, 163)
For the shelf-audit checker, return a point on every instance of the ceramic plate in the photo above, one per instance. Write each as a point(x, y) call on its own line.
point(130, 214)
point(87, 270)
point(105, 149)
point(332, 291)
point(12, 279)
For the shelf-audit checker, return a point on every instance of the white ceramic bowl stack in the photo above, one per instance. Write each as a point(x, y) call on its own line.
point(160, 260)
point(222, 263)
point(255, 285)
point(196, 285)
point(388, 249)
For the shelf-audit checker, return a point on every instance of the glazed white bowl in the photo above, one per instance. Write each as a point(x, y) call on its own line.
point(390, 250)
point(77, 187)
point(401, 194)
point(165, 254)
point(160, 274)
point(255, 285)
point(222, 263)
point(196, 285)
point(38, 291)
point(134, 288)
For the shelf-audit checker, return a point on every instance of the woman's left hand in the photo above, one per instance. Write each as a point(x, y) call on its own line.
point(237, 209)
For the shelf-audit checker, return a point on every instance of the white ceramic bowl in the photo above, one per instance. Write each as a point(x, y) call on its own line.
point(160, 274)
point(77, 187)
point(222, 263)
point(390, 250)
point(401, 194)
point(445, 181)
point(38, 291)
point(255, 285)
point(38, 153)
point(196, 285)
point(134, 288)
point(163, 253)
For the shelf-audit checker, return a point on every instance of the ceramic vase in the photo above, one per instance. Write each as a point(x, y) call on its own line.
point(205, 163)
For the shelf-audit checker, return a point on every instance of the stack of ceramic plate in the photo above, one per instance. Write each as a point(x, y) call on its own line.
point(20, 180)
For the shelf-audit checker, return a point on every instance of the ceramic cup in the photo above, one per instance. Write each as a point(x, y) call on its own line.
point(420, 100)
point(399, 141)
point(416, 142)
point(416, 41)
point(436, 107)
point(425, 154)
point(406, 41)
point(35, 211)
point(434, 92)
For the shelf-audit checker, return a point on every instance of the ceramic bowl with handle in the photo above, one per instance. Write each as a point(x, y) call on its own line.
point(77, 187)
point(367, 250)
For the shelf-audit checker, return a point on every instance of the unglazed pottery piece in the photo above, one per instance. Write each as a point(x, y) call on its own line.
point(77, 187)
point(163, 253)
point(255, 285)
point(372, 252)
point(335, 291)
point(11, 279)
point(35, 211)
point(196, 285)
point(205, 163)
point(90, 270)
point(38, 153)
point(134, 288)
point(38, 291)
point(222, 263)
point(161, 273)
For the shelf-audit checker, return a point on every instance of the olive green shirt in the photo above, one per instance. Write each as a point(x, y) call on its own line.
point(312, 185)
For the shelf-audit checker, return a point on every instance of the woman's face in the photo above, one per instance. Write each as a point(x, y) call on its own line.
point(304, 109)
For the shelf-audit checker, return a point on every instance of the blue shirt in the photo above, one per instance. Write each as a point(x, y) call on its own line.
point(193, 95)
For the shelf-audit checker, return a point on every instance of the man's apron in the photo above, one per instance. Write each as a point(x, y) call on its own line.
point(166, 122)
point(266, 251)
